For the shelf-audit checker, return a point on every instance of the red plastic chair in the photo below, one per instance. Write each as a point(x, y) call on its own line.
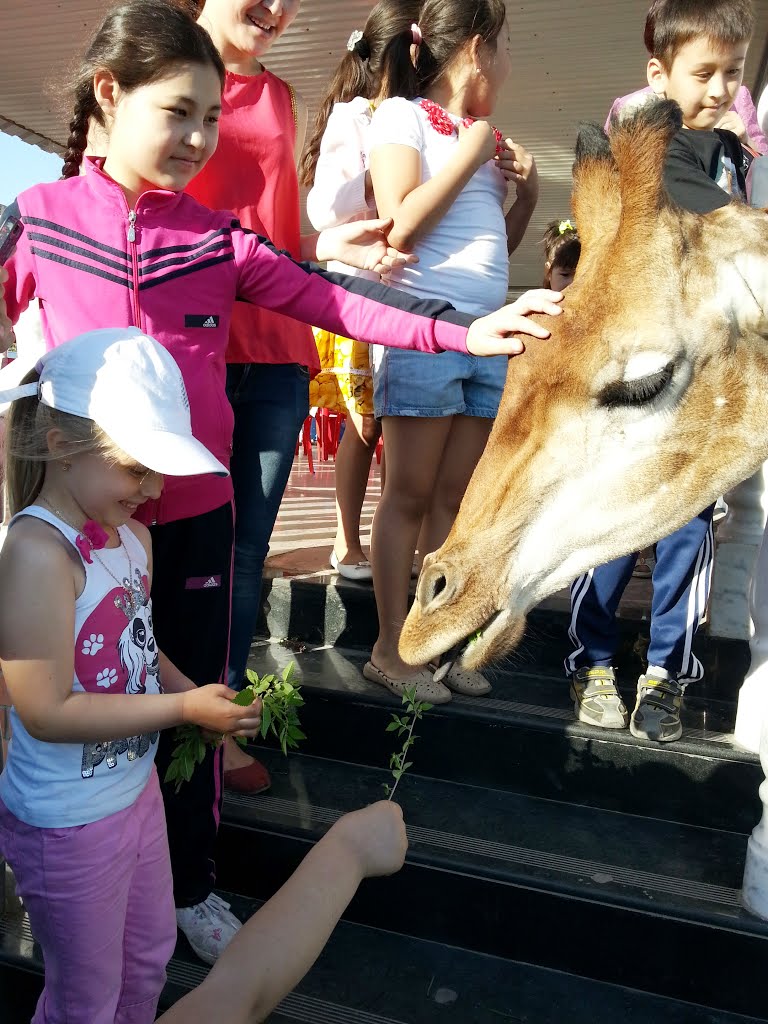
point(305, 440)
point(328, 432)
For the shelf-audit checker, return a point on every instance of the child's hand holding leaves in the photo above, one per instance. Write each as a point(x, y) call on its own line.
point(266, 704)
point(215, 709)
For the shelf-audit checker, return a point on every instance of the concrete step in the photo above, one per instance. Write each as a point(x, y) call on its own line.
point(526, 879)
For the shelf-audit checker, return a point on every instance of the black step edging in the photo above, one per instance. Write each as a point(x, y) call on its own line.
point(531, 745)
point(541, 900)
point(369, 976)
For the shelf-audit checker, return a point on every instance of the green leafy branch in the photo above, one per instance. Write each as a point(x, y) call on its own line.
point(280, 700)
point(403, 725)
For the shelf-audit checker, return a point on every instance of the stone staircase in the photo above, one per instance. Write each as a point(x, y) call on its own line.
point(555, 873)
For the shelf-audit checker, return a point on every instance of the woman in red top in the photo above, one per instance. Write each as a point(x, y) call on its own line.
point(270, 356)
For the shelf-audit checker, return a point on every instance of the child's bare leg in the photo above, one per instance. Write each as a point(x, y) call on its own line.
point(353, 466)
point(466, 443)
point(415, 448)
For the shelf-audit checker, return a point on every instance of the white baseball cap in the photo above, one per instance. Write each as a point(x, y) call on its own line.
point(132, 387)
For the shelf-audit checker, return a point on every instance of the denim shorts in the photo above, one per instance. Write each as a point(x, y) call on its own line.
point(407, 383)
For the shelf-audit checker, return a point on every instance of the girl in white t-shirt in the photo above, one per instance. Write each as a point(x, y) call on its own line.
point(335, 168)
point(442, 175)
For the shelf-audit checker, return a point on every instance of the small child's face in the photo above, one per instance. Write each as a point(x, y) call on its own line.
point(704, 79)
point(110, 492)
point(560, 278)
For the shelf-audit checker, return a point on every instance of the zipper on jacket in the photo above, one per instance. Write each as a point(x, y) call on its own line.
point(134, 266)
point(136, 311)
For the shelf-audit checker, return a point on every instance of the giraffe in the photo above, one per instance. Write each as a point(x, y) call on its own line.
point(648, 401)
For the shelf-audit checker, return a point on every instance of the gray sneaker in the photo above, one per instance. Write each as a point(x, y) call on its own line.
point(657, 711)
point(596, 700)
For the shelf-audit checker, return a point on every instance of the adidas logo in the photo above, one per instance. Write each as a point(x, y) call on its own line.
point(211, 582)
point(210, 322)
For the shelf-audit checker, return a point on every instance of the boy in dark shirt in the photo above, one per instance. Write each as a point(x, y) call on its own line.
point(699, 48)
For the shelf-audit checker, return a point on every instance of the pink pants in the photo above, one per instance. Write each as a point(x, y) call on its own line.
point(100, 903)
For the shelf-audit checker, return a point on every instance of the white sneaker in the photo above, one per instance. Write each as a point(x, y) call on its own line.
point(209, 927)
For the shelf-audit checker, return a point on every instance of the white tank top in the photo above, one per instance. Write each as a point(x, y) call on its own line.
point(57, 785)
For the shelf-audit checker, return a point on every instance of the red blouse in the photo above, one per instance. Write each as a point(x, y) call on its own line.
point(253, 174)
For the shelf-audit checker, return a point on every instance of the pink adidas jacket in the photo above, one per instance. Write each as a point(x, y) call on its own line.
point(174, 269)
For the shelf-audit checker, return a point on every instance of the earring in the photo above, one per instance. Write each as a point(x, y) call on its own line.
point(66, 465)
point(477, 71)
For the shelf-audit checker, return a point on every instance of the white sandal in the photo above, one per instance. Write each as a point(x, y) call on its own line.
point(357, 571)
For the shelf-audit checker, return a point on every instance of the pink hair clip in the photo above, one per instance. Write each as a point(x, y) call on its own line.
point(416, 35)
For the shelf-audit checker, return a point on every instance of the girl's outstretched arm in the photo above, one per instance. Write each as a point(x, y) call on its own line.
point(39, 584)
point(272, 953)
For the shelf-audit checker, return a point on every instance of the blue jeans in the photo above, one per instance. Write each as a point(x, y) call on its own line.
point(270, 402)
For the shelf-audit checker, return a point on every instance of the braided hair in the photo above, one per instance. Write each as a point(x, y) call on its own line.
point(138, 43)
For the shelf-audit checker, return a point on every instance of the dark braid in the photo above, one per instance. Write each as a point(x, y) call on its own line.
point(137, 43)
point(86, 107)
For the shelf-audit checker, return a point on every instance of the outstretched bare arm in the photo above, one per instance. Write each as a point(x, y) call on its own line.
point(276, 948)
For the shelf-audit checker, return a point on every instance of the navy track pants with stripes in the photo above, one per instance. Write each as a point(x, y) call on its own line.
point(681, 583)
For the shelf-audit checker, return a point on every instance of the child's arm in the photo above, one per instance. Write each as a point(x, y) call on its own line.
point(373, 312)
point(342, 188)
point(38, 588)
point(275, 949)
point(360, 243)
point(744, 108)
point(417, 206)
point(6, 324)
point(17, 287)
point(518, 166)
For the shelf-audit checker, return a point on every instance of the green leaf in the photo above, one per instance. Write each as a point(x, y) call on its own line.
point(266, 719)
point(392, 726)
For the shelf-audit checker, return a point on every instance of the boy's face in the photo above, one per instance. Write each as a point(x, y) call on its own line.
point(704, 79)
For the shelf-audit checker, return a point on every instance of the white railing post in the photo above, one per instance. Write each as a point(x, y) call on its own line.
point(755, 889)
point(738, 540)
point(753, 695)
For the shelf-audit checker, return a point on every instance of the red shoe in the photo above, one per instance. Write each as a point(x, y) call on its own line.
point(252, 779)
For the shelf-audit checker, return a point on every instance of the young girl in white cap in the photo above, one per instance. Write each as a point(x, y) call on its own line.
point(89, 436)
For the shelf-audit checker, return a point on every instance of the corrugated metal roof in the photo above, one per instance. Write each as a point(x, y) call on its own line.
point(569, 62)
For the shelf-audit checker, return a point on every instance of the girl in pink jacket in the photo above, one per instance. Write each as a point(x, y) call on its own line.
point(123, 245)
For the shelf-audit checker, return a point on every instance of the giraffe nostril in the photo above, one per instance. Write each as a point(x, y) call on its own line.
point(433, 584)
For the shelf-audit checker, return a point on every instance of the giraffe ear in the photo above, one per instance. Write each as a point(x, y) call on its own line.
point(639, 144)
point(596, 199)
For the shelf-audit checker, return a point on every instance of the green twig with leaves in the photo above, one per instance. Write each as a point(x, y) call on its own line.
point(403, 725)
point(280, 700)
